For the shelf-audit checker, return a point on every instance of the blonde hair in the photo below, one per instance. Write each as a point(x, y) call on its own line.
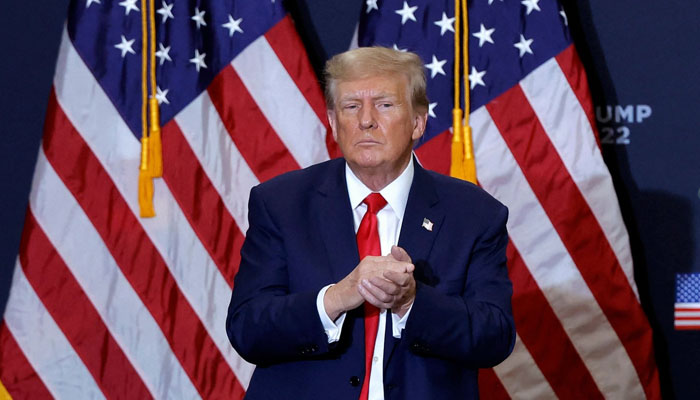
point(364, 62)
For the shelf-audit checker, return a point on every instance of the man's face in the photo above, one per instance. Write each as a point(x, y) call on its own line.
point(375, 124)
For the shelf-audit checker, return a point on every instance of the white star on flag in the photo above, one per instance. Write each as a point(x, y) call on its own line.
point(563, 15)
point(476, 78)
point(484, 35)
point(233, 25)
point(198, 60)
point(445, 24)
point(163, 53)
point(398, 49)
point(524, 45)
point(431, 109)
point(88, 2)
point(166, 11)
point(371, 5)
point(125, 46)
point(162, 95)
point(406, 13)
point(128, 6)
point(531, 5)
point(198, 17)
point(435, 67)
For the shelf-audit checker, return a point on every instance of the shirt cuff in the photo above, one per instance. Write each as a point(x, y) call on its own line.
point(332, 329)
point(398, 324)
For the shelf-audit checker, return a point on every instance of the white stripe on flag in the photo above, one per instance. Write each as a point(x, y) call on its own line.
point(82, 249)
point(55, 361)
point(521, 376)
point(570, 131)
point(118, 151)
point(688, 305)
point(551, 265)
point(228, 171)
point(269, 83)
point(688, 323)
point(687, 314)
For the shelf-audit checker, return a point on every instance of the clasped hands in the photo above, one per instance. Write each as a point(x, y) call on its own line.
point(385, 282)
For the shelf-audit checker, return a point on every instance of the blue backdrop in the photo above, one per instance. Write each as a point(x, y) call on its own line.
point(642, 60)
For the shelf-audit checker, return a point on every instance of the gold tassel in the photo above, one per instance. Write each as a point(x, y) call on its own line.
point(462, 165)
point(457, 164)
point(469, 163)
point(155, 162)
point(145, 183)
point(4, 395)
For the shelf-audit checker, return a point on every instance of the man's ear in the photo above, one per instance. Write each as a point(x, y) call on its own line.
point(419, 122)
point(333, 123)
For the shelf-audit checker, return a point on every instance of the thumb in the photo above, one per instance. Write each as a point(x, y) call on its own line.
point(400, 254)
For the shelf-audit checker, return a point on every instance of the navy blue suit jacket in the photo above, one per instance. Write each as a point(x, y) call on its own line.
point(301, 238)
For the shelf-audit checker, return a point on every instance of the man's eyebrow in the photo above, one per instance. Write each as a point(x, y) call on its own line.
point(378, 96)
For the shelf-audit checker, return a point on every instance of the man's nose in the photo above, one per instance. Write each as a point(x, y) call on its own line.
point(367, 118)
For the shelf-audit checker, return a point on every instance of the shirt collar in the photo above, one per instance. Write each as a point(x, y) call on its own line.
point(395, 193)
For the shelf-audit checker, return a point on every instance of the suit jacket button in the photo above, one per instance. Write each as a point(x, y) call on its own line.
point(314, 348)
point(354, 381)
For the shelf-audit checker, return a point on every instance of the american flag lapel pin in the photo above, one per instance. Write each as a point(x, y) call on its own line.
point(427, 224)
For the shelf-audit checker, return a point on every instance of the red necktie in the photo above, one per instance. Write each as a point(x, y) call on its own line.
point(368, 245)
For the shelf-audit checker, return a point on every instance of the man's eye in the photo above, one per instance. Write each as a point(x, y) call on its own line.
point(350, 106)
point(385, 105)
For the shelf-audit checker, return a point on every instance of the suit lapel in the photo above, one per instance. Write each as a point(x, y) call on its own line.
point(422, 221)
point(335, 221)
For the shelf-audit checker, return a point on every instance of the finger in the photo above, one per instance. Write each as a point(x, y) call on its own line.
point(399, 278)
point(375, 295)
point(369, 298)
point(400, 254)
point(398, 266)
point(388, 287)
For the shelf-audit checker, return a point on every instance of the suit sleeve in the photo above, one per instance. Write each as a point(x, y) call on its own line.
point(267, 324)
point(475, 328)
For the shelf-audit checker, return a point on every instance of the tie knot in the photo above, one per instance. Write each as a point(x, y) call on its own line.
point(375, 202)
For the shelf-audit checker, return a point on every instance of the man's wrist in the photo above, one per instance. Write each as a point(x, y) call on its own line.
point(331, 303)
point(403, 309)
point(331, 327)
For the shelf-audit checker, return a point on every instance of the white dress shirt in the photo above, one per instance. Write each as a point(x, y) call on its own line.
point(389, 226)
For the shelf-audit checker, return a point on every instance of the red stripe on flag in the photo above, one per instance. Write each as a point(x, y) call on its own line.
point(578, 228)
point(288, 47)
point(253, 135)
point(82, 325)
point(435, 153)
point(16, 374)
point(572, 68)
point(136, 256)
point(688, 327)
point(490, 387)
point(688, 308)
point(687, 318)
point(201, 202)
point(542, 331)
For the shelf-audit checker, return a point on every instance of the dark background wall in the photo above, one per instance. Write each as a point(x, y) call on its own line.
point(642, 60)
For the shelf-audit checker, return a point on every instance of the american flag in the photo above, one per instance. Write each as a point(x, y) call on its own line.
point(581, 332)
point(686, 314)
point(105, 304)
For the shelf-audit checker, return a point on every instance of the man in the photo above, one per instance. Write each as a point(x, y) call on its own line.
point(317, 307)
